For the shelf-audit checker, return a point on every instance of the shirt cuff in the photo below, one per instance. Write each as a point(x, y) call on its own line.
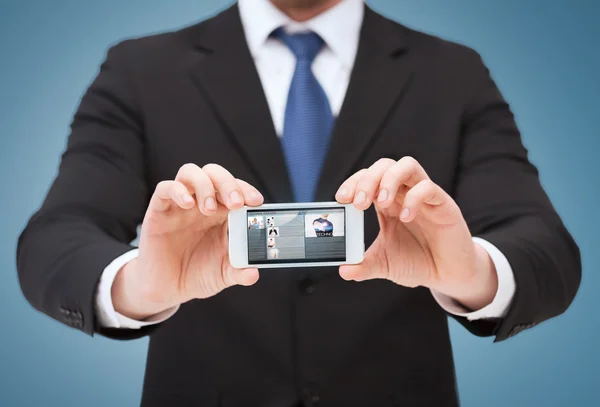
point(105, 311)
point(504, 296)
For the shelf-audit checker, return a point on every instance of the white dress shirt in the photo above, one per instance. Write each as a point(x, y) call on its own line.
point(339, 27)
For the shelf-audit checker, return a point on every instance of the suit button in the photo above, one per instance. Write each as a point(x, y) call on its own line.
point(306, 286)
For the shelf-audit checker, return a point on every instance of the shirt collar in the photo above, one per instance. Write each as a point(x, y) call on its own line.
point(339, 26)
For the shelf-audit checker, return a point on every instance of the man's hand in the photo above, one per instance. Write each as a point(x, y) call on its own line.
point(423, 239)
point(183, 251)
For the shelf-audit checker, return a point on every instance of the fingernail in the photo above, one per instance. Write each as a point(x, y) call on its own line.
point(209, 204)
point(235, 197)
point(187, 198)
point(361, 198)
point(383, 195)
point(343, 192)
point(405, 214)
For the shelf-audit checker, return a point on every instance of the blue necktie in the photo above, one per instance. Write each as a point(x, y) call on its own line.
point(308, 119)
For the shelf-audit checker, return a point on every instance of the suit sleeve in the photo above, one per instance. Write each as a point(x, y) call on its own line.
point(94, 206)
point(503, 202)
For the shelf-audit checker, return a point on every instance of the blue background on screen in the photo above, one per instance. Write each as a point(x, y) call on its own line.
point(545, 56)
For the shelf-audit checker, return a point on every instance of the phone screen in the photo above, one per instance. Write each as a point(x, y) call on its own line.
point(297, 235)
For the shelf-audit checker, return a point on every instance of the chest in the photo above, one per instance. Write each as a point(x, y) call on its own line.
point(183, 126)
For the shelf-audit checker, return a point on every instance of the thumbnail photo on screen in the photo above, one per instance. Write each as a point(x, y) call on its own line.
point(324, 224)
point(256, 222)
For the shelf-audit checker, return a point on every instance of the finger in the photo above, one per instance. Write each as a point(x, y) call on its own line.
point(252, 196)
point(168, 193)
point(407, 171)
point(368, 185)
point(423, 195)
point(345, 193)
point(244, 277)
point(228, 190)
point(370, 268)
point(200, 183)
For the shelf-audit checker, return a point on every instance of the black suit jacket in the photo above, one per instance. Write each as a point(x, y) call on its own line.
point(301, 335)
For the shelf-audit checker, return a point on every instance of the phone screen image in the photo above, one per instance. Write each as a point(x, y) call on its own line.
point(297, 235)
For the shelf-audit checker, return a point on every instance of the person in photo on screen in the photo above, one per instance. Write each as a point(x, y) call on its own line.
point(273, 254)
point(322, 226)
point(253, 224)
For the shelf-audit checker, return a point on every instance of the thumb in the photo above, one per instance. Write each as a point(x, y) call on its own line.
point(371, 268)
point(245, 277)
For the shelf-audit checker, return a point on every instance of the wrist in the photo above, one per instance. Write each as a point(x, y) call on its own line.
point(479, 288)
point(129, 295)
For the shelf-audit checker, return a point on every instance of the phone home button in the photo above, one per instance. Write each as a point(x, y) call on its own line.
point(306, 286)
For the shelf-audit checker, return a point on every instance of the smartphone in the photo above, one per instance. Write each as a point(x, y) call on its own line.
point(296, 235)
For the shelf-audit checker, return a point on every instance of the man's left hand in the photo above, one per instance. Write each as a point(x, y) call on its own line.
point(423, 238)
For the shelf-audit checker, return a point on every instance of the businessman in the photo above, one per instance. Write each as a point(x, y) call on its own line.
point(322, 224)
point(347, 105)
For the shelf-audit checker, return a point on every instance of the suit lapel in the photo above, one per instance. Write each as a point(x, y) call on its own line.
point(225, 73)
point(380, 78)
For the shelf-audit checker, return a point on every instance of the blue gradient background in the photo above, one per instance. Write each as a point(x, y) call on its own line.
point(545, 56)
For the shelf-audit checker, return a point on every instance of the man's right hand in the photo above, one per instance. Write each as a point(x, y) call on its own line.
point(183, 250)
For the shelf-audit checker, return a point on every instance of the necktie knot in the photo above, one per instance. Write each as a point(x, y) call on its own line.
point(305, 46)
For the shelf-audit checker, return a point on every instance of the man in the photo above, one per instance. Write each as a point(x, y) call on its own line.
point(347, 105)
point(322, 224)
